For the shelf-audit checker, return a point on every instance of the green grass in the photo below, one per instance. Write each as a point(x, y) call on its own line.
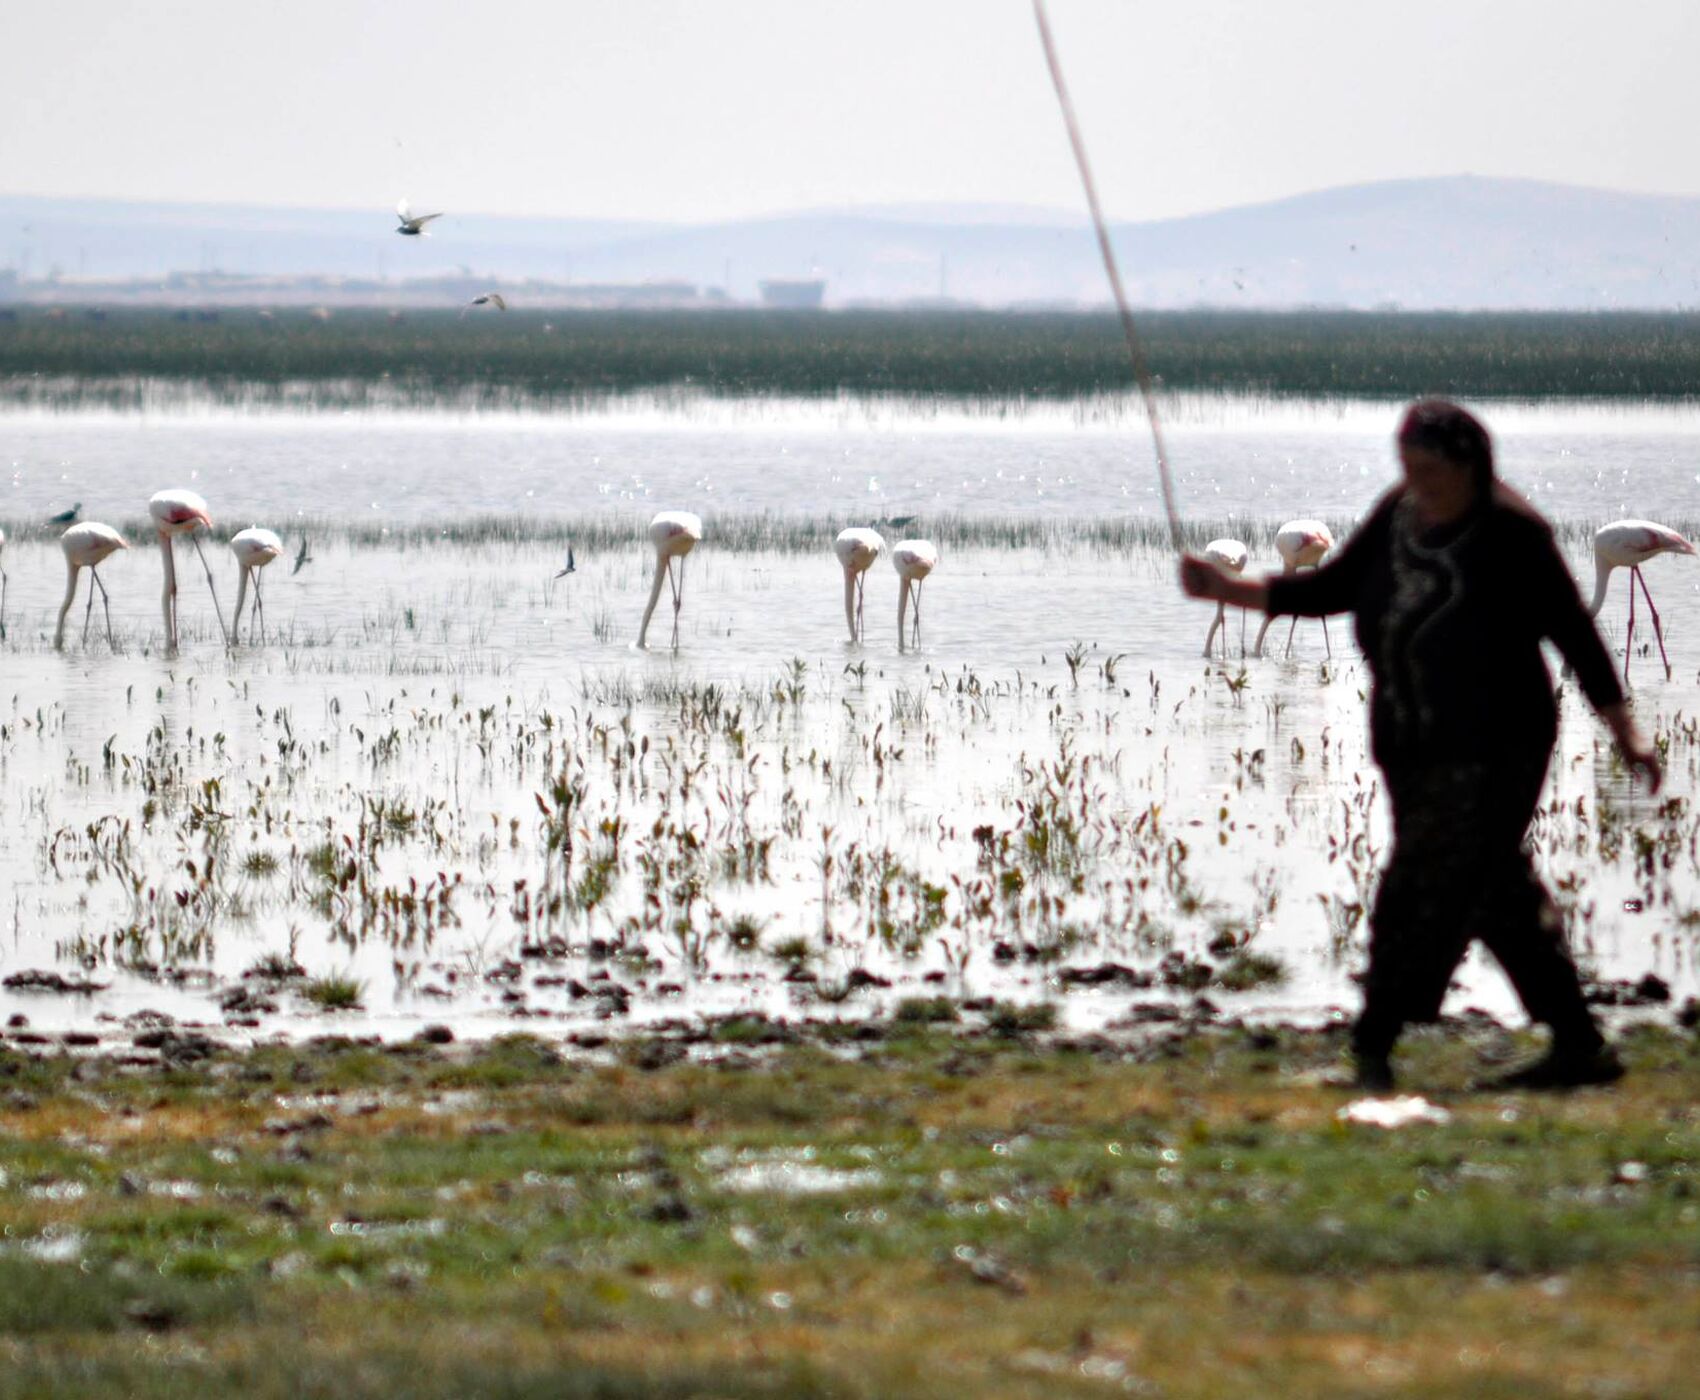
point(1187, 1216)
point(567, 358)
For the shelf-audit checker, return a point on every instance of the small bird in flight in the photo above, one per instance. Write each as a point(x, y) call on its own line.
point(66, 517)
point(412, 225)
point(301, 557)
point(571, 566)
point(494, 299)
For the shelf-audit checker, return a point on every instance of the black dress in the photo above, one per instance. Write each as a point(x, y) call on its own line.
point(1462, 724)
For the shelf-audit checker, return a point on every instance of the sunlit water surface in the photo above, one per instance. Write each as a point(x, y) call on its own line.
point(170, 821)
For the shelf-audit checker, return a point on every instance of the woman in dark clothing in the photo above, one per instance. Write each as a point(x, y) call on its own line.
point(1453, 582)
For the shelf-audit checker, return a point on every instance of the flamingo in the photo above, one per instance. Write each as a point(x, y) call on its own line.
point(1301, 545)
point(1628, 544)
point(856, 548)
point(254, 548)
point(181, 513)
point(914, 560)
point(85, 546)
point(674, 534)
point(1229, 555)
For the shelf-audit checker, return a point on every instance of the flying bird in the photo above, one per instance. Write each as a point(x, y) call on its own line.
point(495, 299)
point(412, 225)
point(66, 517)
point(571, 566)
point(913, 560)
point(674, 534)
point(856, 548)
point(254, 548)
point(181, 513)
point(1628, 544)
point(301, 557)
point(85, 547)
point(1229, 556)
point(1301, 545)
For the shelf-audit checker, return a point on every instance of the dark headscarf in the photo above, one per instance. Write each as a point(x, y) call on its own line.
point(1442, 427)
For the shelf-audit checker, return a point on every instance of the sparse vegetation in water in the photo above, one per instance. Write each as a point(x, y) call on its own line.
point(334, 993)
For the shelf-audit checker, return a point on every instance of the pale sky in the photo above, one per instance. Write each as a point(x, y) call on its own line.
point(693, 111)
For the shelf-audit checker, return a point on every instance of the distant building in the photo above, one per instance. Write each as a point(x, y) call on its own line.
point(793, 293)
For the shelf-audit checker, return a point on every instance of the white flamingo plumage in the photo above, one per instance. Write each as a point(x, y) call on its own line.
point(913, 560)
point(856, 548)
point(254, 548)
point(674, 533)
point(1628, 544)
point(1302, 544)
point(1229, 556)
point(85, 546)
point(179, 512)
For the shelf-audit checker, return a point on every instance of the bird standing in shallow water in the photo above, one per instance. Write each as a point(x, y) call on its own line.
point(1229, 555)
point(1301, 545)
point(254, 548)
point(1628, 544)
point(85, 546)
point(856, 548)
point(66, 517)
point(674, 533)
point(913, 560)
point(181, 513)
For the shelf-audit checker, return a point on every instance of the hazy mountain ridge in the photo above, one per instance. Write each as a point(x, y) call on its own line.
point(1458, 242)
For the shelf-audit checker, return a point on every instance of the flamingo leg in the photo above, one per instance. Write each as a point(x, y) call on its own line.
point(678, 587)
point(1629, 636)
point(1658, 630)
point(1290, 630)
point(1243, 612)
point(3, 582)
point(88, 612)
point(259, 610)
point(861, 589)
point(211, 588)
point(169, 602)
point(915, 634)
point(105, 607)
point(1328, 645)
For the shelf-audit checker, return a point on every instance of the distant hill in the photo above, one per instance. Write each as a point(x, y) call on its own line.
point(1463, 242)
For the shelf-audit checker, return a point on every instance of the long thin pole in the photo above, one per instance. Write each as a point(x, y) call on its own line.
point(1141, 374)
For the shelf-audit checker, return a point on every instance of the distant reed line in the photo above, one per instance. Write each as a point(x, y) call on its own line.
point(562, 360)
point(757, 533)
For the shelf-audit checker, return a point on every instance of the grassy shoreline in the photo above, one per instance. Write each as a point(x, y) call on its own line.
point(900, 1212)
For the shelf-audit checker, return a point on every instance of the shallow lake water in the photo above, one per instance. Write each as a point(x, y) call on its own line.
point(447, 779)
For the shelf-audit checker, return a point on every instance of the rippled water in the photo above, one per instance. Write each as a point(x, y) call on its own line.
point(453, 679)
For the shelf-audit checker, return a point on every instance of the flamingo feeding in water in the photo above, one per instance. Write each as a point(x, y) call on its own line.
point(1628, 544)
point(254, 548)
point(1301, 545)
point(856, 548)
point(85, 546)
point(1230, 557)
point(181, 513)
point(914, 560)
point(674, 533)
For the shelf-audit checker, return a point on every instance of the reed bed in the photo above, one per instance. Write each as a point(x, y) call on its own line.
point(564, 359)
